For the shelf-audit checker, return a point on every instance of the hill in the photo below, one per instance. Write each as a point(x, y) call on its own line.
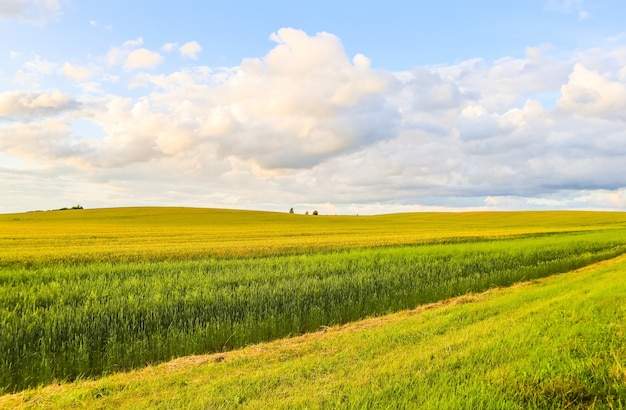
point(153, 233)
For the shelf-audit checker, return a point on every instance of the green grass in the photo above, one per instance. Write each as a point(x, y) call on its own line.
point(67, 321)
point(85, 293)
point(557, 343)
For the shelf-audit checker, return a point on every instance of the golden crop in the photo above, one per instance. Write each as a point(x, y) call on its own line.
point(120, 234)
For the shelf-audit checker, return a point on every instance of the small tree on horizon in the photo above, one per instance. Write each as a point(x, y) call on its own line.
point(291, 210)
point(315, 212)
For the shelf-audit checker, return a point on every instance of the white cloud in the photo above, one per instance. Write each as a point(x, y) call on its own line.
point(37, 12)
point(133, 58)
point(48, 141)
point(40, 65)
point(75, 73)
point(116, 56)
point(23, 104)
point(297, 52)
point(308, 126)
point(91, 87)
point(27, 79)
point(536, 53)
point(588, 93)
point(169, 47)
point(474, 126)
point(190, 50)
point(142, 58)
point(133, 43)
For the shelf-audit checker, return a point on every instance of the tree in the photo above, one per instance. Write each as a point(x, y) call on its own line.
point(291, 211)
point(315, 212)
point(306, 213)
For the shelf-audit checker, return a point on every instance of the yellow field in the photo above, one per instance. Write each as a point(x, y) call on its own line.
point(183, 233)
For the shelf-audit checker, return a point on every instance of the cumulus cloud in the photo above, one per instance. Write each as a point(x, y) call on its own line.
point(75, 73)
point(36, 12)
point(308, 124)
point(590, 94)
point(475, 123)
point(142, 58)
point(263, 111)
point(190, 50)
point(133, 58)
point(23, 104)
point(48, 140)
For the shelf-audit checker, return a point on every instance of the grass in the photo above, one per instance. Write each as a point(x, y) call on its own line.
point(559, 342)
point(67, 321)
point(85, 293)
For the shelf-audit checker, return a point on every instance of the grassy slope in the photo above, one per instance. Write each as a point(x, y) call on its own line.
point(183, 233)
point(560, 342)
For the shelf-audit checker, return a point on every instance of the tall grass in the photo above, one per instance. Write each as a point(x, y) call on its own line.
point(64, 321)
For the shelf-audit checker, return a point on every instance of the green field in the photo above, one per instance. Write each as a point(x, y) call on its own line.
point(85, 293)
point(556, 343)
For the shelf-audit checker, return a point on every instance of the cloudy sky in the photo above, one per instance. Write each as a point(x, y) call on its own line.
point(345, 107)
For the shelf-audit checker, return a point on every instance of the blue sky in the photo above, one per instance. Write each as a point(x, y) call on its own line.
point(395, 35)
point(346, 107)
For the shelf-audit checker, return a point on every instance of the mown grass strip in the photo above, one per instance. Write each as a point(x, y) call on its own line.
point(63, 322)
point(558, 343)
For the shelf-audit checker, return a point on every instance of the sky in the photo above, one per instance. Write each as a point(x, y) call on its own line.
point(351, 107)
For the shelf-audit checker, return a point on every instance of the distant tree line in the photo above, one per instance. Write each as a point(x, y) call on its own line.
point(60, 209)
point(69, 209)
point(306, 213)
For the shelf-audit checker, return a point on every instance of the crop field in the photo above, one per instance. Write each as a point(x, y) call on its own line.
point(91, 292)
point(140, 234)
point(553, 343)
